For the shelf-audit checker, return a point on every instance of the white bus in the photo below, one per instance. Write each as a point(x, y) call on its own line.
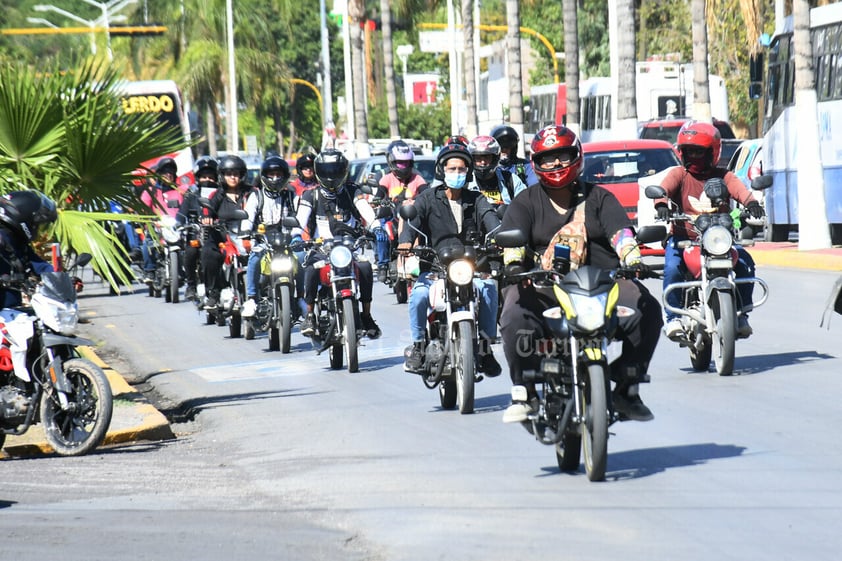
point(663, 89)
point(780, 137)
point(163, 98)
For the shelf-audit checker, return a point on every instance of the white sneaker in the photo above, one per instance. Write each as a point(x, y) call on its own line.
point(249, 308)
point(520, 408)
point(673, 328)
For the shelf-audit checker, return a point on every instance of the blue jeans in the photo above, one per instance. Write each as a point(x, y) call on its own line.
point(419, 305)
point(674, 272)
point(150, 256)
point(383, 245)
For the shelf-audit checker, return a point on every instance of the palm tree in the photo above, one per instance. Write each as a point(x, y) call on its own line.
point(64, 133)
point(356, 11)
point(470, 71)
point(813, 230)
point(571, 62)
point(514, 66)
point(389, 67)
point(701, 85)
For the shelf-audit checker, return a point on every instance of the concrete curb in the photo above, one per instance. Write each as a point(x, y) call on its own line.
point(134, 419)
point(787, 254)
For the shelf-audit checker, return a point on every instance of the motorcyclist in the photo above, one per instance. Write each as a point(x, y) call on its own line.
point(21, 215)
point(206, 173)
point(594, 225)
point(306, 179)
point(402, 183)
point(699, 144)
point(448, 215)
point(164, 198)
point(509, 141)
point(498, 185)
point(223, 204)
point(272, 200)
point(335, 201)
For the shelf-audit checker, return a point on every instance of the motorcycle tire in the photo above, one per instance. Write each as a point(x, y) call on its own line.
point(285, 319)
point(274, 337)
point(248, 329)
point(349, 324)
point(173, 272)
point(447, 393)
point(569, 451)
point(700, 356)
point(235, 325)
point(400, 291)
point(465, 367)
point(594, 399)
point(83, 426)
point(336, 352)
point(725, 337)
point(220, 318)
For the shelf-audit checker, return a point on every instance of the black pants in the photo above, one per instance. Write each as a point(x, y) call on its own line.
point(522, 324)
point(311, 282)
point(191, 265)
point(212, 261)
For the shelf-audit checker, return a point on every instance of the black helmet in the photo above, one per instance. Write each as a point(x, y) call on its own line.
point(232, 163)
point(24, 211)
point(449, 151)
point(273, 186)
point(505, 136)
point(166, 165)
point(331, 168)
point(205, 164)
point(400, 158)
point(305, 161)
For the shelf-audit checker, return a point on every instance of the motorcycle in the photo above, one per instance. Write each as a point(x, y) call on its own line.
point(337, 306)
point(42, 375)
point(711, 306)
point(277, 306)
point(168, 275)
point(452, 339)
point(575, 401)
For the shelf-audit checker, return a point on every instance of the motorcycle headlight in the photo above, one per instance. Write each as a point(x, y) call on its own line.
point(717, 240)
point(282, 265)
point(61, 317)
point(340, 257)
point(590, 310)
point(461, 272)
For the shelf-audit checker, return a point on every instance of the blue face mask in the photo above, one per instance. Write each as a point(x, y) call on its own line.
point(455, 180)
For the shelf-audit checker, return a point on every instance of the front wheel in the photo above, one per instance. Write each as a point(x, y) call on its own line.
point(725, 336)
point(465, 368)
point(595, 426)
point(285, 319)
point(83, 426)
point(173, 287)
point(350, 327)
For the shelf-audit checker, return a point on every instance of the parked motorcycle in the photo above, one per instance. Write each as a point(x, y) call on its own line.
point(711, 305)
point(575, 407)
point(42, 375)
point(337, 303)
point(452, 340)
point(277, 307)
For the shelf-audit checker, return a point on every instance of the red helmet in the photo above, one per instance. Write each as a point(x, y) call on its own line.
point(701, 135)
point(485, 146)
point(556, 156)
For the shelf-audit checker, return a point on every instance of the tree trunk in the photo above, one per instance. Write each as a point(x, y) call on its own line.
point(626, 118)
point(571, 63)
point(514, 70)
point(701, 86)
point(470, 69)
point(355, 16)
point(389, 67)
point(210, 124)
point(813, 229)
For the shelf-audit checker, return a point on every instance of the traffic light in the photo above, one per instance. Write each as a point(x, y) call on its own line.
point(144, 30)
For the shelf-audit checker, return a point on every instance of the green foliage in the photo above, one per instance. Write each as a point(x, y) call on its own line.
point(431, 122)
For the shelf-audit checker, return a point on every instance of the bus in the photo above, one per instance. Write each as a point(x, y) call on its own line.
point(781, 130)
point(663, 89)
point(163, 98)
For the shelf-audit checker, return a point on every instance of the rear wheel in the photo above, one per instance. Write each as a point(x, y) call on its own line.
point(235, 324)
point(336, 353)
point(248, 329)
point(350, 326)
point(568, 451)
point(447, 393)
point(285, 319)
point(83, 426)
point(465, 368)
point(726, 334)
point(595, 428)
point(174, 270)
point(700, 356)
point(400, 291)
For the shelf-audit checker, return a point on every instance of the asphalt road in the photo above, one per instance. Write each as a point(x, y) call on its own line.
point(278, 457)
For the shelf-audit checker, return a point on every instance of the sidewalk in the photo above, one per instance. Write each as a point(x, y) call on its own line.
point(786, 254)
point(134, 419)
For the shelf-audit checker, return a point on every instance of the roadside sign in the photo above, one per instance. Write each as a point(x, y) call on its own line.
point(439, 41)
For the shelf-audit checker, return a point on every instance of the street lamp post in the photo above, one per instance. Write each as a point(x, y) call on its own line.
point(108, 8)
point(404, 52)
point(42, 21)
point(74, 17)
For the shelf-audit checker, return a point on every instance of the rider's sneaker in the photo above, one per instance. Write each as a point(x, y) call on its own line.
point(148, 277)
point(414, 358)
point(743, 327)
point(308, 326)
point(521, 406)
point(488, 365)
point(673, 329)
point(249, 308)
point(629, 406)
point(372, 330)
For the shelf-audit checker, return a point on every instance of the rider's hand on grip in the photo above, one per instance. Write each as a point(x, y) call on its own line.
point(663, 212)
point(404, 247)
point(755, 210)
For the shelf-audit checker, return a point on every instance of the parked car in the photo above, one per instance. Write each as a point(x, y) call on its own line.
point(619, 165)
point(747, 161)
point(362, 168)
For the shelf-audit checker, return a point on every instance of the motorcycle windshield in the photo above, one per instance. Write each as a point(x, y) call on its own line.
point(58, 286)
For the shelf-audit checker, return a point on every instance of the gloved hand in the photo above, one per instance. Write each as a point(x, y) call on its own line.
point(755, 210)
point(663, 212)
point(640, 270)
point(513, 269)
